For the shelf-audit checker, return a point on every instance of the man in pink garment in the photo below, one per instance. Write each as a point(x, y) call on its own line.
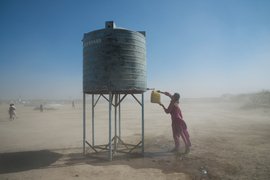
point(179, 127)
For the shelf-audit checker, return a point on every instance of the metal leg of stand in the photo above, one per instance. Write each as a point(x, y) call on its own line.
point(93, 120)
point(115, 122)
point(119, 117)
point(83, 123)
point(142, 123)
point(110, 126)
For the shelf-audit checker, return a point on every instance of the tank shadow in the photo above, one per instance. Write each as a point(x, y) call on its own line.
point(23, 161)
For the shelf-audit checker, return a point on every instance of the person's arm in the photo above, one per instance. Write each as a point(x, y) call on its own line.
point(165, 93)
point(167, 110)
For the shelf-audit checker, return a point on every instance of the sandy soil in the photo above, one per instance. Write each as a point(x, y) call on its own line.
point(229, 142)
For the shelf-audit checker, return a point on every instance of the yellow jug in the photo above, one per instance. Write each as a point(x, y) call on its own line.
point(155, 97)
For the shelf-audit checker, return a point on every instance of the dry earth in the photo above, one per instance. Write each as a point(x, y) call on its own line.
point(229, 142)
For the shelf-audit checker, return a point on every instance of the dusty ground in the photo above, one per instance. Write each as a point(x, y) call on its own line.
point(229, 142)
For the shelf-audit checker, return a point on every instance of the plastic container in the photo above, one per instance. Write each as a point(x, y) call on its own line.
point(155, 97)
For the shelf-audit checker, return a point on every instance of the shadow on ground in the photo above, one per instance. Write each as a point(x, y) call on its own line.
point(165, 161)
point(23, 161)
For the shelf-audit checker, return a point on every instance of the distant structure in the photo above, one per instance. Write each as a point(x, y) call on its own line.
point(114, 66)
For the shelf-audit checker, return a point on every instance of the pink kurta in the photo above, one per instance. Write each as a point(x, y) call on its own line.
point(179, 127)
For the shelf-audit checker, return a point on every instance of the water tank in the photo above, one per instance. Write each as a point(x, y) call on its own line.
point(114, 60)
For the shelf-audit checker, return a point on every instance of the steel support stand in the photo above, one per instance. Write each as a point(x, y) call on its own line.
point(114, 142)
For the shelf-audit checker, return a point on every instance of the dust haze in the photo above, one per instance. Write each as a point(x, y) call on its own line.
point(229, 134)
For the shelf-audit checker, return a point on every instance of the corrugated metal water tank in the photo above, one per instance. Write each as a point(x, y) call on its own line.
point(114, 60)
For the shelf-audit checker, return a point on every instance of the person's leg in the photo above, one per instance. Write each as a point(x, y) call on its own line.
point(176, 137)
point(185, 132)
point(185, 137)
point(185, 141)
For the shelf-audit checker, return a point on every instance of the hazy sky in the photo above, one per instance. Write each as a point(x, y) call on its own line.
point(199, 48)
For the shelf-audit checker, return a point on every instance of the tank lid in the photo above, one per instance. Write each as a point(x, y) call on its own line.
point(110, 25)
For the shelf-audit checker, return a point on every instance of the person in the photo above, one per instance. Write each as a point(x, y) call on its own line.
point(179, 127)
point(41, 107)
point(12, 111)
point(73, 104)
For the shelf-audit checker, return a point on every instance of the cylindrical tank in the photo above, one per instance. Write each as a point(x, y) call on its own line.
point(114, 60)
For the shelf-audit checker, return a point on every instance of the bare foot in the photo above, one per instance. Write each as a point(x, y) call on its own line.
point(187, 150)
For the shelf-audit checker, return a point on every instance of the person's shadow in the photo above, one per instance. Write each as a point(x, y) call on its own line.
point(22, 161)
